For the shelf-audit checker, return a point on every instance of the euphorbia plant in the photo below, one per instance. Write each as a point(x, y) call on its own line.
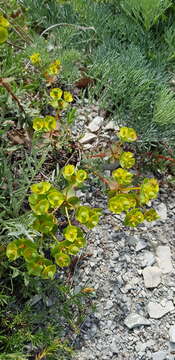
point(45, 200)
point(48, 203)
point(124, 195)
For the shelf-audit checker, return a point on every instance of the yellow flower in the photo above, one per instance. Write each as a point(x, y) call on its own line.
point(49, 123)
point(123, 177)
point(68, 171)
point(134, 218)
point(38, 123)
point(4, 22)
point(56, 93)
point(127, 134)
point(127, 160)
point(54, 68)
point(35, 58)
point(68, 96)
point(62, 105)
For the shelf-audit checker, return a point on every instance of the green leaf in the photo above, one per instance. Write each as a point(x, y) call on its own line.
point(30, 254)
point(134, 218)
point(80, 242)
point(83, 214)
point(49, 272)
point(63, 260)
point(151, 215)
point(73, 249)
point(123, 177)
point(71, 115)
point(44, 223)
point(81, 176)
point(70, 233)
point(36, 267)
point(12, 251)
point(41, 207)
point(41, 188)
point(73, 201)
point(56, 198)
point(68, 171)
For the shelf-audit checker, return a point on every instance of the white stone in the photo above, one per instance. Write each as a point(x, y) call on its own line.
point(87, 138)
point(114, 347)
point(141, 347)
point(164, 259)
point(142, 244)
point(134, 320)
point(159, 355)
point(162, 211)
point(132, 284)
point(109, 304)
point(111, 125)
point(152, 276)
point(172, 333)
point(147, 259)
point(87, 146)
point(157, 311)
point(96, 123)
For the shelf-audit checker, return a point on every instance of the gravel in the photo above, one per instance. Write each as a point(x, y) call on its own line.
point(125, 300)
point(131, 271)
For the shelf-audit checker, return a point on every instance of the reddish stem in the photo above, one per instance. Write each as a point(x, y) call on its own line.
point(160, 157)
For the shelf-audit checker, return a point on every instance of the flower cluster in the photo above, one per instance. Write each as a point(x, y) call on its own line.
point(48, 123)
point(122, 176)
point(54, 68)
point(121, 202)
point(127, 134)
point(60, 99)
point(149, 190)
point(74, 176)
point(89, 217)
point(127, 198)
point(37, 264)
point(45, 200)
point(35, 58)
point(127, 160)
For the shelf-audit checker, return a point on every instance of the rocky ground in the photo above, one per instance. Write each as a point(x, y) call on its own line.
point(131, 272)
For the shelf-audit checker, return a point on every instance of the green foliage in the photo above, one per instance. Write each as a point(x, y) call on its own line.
point(44, 201)
point(164, 108)
point(147, 12)
point(129, 64)
point(91, 38)
point(28, 166)
point(37, 325)
point(124, 197)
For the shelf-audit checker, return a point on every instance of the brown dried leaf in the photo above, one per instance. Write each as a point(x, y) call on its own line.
point(84, 82)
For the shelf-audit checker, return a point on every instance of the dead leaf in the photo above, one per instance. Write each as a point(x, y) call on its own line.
point(19, 137)
point(84, 82)
point(87, 290)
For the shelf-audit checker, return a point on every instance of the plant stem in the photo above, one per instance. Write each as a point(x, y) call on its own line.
point(65, 24)
point(67, 214)
point(8, 88)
